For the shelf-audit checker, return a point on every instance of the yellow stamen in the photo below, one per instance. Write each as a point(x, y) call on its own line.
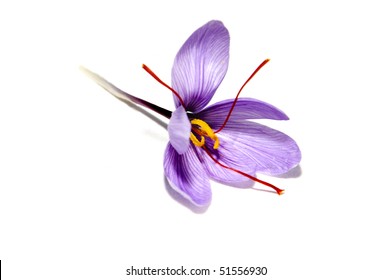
point(195, 140)
point(203, 129)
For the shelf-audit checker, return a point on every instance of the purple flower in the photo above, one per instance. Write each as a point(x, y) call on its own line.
point(217, 142)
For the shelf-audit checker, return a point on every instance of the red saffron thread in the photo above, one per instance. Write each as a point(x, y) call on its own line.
point(150, 72)
point(278, 190)
point(237, 96)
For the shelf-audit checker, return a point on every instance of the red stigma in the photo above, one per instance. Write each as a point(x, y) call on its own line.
point(150, 72)
point(278, 190)
point(237, 95)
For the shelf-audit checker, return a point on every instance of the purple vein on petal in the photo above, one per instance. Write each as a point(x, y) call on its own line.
point(123, 96)
point(228, 155)
point(187, 176)
point(272, 151)
point(245, 109)
point(200, 65)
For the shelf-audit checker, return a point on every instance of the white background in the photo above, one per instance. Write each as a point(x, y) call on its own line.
point(82, 191)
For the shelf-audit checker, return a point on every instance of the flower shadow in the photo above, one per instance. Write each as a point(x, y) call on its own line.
point(145, 113)
point(293, 173)
point(181, 200)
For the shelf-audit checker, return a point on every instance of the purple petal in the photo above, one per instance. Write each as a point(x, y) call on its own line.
point(228, 155)
point(245, 108)
point(272, 151)
point(187, 176)
point(179, 128)
point(200, 65)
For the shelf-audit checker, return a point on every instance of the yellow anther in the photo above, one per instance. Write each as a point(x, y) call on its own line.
point(197, 142)
point(203, 129)
point(216, 144)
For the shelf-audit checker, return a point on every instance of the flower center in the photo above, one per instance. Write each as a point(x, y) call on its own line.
point(202, 129)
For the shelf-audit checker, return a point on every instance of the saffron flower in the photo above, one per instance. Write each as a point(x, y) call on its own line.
point(218, 141)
